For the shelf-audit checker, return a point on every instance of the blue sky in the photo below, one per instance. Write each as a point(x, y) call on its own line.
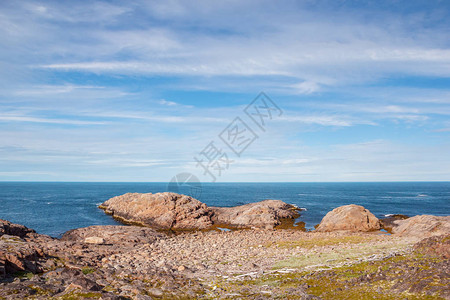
point(134, 90)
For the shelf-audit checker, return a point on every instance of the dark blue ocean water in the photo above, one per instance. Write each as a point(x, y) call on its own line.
point(53, 208)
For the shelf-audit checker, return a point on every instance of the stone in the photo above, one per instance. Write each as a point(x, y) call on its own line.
point(94, 240)
point(422, 226)
point(113, 234)
point(263, 214)
point(388, 222)
point(171, 211)
point(354, 218)
point(155, 292)
point(161, 210)
point(9, 228)
point(21, 249)
point(438, 246)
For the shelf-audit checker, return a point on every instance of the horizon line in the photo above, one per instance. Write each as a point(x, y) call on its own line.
point(396, 181)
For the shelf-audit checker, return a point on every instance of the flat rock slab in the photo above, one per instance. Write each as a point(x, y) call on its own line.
point(112, 234)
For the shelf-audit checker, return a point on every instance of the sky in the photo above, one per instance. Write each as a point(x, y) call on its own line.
point(145, 90)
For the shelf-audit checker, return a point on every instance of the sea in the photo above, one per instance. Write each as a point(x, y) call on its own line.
point(55, 207)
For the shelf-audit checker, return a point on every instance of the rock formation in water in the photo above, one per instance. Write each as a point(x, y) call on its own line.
point(173, 211)
point(264, 214)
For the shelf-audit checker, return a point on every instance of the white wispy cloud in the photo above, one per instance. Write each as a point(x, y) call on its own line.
point(336, 53)
point(11, 118)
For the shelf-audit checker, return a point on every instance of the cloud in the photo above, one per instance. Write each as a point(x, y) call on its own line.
point(442, 130)
point(11, 118)
point(326, 120)
point(332, 51)
point(168, 103)
point(306, 87)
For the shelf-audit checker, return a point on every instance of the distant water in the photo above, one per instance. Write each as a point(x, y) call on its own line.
point(54, 208)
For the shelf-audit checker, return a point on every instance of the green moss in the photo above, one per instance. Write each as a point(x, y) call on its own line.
point(357, 281)
point(327, 259)
point(23, 274)
point(330, 241)
point(75, 296)
point(87, 270)
point(40, 291)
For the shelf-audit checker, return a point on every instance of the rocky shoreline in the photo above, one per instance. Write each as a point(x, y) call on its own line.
point(171, 211)
point(347, 255)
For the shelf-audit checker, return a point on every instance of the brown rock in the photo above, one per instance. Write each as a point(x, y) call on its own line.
point(388, 222)
point(21, 249)
point(9, 228)
point(436, 246)
point(161, 210)
point(264, 214)
point(94, 240)
point(113, 234)
point(422, 226)
point(180, 212)
point(350, 218)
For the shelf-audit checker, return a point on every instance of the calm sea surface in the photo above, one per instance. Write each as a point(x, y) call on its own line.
point(54, 208)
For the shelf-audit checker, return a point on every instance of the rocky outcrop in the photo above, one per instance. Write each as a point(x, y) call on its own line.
point(422, 226)
point(264, 214)
point(112, 234)
point(387, 223)
point(438, 246)
point(21, 249)
point(351, 217)
point(9, 228)
point(172, 211)
point(161, 210)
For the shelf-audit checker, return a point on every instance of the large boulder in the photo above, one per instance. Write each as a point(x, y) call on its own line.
point(351, 217)
point(264, 214)
point(422, 226)
point(162, 210)
point(172, 211)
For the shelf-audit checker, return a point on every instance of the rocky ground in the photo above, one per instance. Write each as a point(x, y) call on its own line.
point(129, 262)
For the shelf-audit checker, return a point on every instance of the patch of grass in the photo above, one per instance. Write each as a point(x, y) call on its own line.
point(39, 291)
point(23, 274)
point(332, 258)
point(76, 296)
point(327, 241)
point(358, 281)
point(87, 270)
